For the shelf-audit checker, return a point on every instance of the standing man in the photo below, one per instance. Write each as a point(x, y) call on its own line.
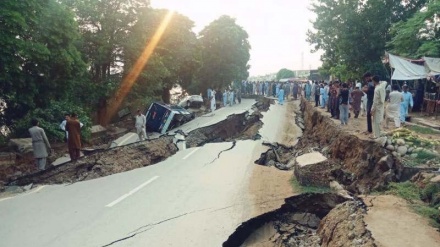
point(74, 142)
point(317, 90)
point(393, 108)
point(281, 95)
point(63, 126)
point(140, 124)
point(369, 90)
point(377, 109)
point(40, 144)
point(406, 103)
point(213, 106)
point(357, 95)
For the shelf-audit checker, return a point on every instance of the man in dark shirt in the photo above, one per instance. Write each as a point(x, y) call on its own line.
point(369, 90)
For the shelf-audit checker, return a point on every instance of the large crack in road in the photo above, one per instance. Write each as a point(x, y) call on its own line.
point(244, 126)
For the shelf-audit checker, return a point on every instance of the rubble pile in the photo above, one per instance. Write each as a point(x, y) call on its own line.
point(307, 220)
point(104, 163)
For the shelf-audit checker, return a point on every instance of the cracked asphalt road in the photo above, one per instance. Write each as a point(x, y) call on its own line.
point(182, 201)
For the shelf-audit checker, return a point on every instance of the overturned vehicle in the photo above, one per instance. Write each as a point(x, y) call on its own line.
point(162, 117)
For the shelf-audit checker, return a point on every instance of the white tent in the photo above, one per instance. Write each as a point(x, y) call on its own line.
point(433, 65)
point(405, 70)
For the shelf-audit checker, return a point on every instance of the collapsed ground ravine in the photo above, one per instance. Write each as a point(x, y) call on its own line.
point(350, 166)
point(105, 162)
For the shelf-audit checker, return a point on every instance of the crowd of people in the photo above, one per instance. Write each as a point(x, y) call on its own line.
point(367, 98)
point(340, 99)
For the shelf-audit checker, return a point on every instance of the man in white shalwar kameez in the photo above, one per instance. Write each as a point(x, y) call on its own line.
point(213, 106)
point(393, 108)
point(378, 108)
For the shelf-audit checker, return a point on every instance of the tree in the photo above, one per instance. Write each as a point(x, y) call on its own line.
point(353, 34)
point(39, 61)
point(285, 73)
point(419, 35)
point(174, 60)
point(224, 54)
point(104, 26)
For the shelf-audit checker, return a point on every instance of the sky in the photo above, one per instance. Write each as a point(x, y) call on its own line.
point(277, 29)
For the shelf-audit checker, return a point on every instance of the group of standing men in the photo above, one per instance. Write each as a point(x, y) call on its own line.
point(40, 143)
point(369, 98)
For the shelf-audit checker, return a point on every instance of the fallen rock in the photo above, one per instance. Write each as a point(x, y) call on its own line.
point(381, 140)
point(402, 150)
point(310, 158)
point(391, 147)
point(389, 141)
point(435, 179)
point(14, 189)
point(345, 226)
point(400, 142)
point(293, 224)
point(313, 169)
point(22, 145)
point(385, 163)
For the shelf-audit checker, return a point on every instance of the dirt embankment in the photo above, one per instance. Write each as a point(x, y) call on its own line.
point(327, 155)
point(360, 165)
point(105, 162)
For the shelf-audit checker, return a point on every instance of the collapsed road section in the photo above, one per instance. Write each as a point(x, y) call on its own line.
point(307, 220)
point(105, 162)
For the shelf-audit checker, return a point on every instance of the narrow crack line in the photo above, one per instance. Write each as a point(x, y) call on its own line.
point(172, 218)
point(234, 143)
point(150, 226)
point(247, 204)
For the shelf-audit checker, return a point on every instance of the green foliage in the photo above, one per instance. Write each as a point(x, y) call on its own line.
point(174, 61)
point(431, 194)
point(224, 54)
point(413, 195)
point(353, 34)
point(308, 189)
point(419, 35)
point(424, 156)
point(285, 73)
point(50, 119)
point(406, 190)
point(423, 130)
point(39, 61)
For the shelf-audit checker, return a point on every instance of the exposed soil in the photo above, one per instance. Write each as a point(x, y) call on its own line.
point(352, 162)
point(307, 220)
point(104, 162)
point(394, 225)
point(360, 165)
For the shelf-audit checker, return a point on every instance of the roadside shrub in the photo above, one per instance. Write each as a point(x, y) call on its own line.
point(50, 119)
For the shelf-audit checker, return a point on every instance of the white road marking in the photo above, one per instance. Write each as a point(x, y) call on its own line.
point(126, 138)
point(192, 152)
point(120, 199)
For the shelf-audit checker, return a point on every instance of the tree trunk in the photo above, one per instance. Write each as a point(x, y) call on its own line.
point(102, 111)
point(166, 96)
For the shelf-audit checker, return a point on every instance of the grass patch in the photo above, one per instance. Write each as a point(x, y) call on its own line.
point(406, 190)
point(423, 156)
point(428, 212)
point(423, 130)
point(412, 194)
point(308, 189)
